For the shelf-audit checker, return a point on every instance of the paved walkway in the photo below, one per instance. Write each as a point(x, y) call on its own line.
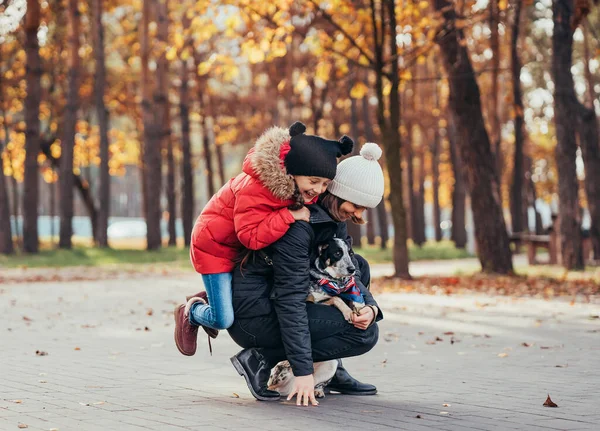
point(442, 363)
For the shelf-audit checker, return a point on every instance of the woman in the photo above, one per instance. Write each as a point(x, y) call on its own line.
point(274, 322)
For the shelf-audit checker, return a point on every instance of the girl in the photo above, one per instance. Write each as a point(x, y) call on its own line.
point(284, 171)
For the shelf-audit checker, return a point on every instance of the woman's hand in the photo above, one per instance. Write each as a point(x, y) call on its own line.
point(304, 387)
point(365, 317)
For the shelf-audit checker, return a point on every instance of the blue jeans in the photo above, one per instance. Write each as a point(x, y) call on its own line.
point(219, 314)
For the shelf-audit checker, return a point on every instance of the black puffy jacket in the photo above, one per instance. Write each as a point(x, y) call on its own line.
point(274, 283)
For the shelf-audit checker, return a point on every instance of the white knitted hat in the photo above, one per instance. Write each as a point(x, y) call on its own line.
point(359, 179)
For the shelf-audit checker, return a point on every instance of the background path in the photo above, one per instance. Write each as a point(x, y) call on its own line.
point(447, 363)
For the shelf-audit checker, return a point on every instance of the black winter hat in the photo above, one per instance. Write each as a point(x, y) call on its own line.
point(314, 156)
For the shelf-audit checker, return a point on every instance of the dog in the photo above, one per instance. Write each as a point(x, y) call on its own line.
point(282, 378)
point(332, 283)
point(332, 279)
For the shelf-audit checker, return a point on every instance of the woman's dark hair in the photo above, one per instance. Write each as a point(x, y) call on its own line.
point(298, 200)
point(332, 204)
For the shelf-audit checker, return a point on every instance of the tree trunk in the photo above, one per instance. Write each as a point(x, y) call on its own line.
point(102, 112)
point(220, 163)
point(187, 177)
point(565, 102)
point(410, 175)
point(435, 150)
point(392, 139)
point(6, 244)
point(52, 191)
point(80, 183)
point(496, 136)
point(207, 156)
point(590, 150)
point(380, 209)
point(419, 236)
point(354, 230)
point(153, 124)
point(459, 195)
point(516, 190)
point(33, 73)
point(465, 102)
point(171, 195)
point(68, 141)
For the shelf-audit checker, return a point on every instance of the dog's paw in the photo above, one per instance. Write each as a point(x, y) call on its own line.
point(319, 393)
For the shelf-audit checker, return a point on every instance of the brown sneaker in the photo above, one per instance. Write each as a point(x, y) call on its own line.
point(186, 334)
point(200, 297)
point(202, 294)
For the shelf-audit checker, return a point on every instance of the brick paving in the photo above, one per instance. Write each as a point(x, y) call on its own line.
point(442, 363)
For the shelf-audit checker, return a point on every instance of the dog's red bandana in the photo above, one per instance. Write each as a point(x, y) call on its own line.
point(348, 290)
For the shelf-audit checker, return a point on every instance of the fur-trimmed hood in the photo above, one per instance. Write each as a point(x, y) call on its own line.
point(265, 162)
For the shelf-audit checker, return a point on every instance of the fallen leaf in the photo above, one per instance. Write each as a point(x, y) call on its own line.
point(572, 303)
point(549, 402)
point(98, 403)
point(17, 401)
point(430, 342)
point(594, 316)
point(235, 395)
point(525, 344)
point(27, 319)
point(53, 429)
point(77, 348)
point(439, 339)
point(22, 426)
point(41, 353)
point(418, 416)
point(502, 355)
point(84, 404)
point(545, 347)
point(445, 413)
point(146, 329)
point(150, 312)
point(449, 333)
point(421, 332)
point(487, 336)
point(561, 366)
point(43, 381)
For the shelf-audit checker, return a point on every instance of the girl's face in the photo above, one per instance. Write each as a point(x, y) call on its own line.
point(349, 210)
point(311, 187)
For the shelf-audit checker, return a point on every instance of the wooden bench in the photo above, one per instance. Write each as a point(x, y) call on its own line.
point(551, 243)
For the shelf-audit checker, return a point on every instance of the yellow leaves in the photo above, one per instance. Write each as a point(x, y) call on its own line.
point(253, 52)
point(405, 75)
point(301, 84)
point(423, 4)
point(178, 41)
point(323, 71)
point(502, 5)
point(171, 53)
point(278, 49)
point(204, 67)
point(359, 90)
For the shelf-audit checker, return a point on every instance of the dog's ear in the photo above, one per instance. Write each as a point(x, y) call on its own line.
point(324, 261)
point(323, 246)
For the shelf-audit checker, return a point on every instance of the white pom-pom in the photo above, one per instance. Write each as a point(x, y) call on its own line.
point(371, 151)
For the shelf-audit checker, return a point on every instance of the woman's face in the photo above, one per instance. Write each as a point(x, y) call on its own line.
point(311, 187)
point(348, 209)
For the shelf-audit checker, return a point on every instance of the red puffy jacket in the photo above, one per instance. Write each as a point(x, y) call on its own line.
point(253, 204)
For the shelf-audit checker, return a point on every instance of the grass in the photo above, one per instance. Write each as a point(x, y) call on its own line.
point(431, 250)
point(129, 254)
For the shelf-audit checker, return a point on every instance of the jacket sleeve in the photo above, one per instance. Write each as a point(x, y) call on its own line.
point(291, 279)
point(342, 233)
point(258, 221)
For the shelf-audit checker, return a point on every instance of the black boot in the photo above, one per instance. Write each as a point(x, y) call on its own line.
point(344, 383)
point(251, 364)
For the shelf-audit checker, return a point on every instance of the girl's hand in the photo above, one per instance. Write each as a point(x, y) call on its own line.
point(304, 387)
point(365, 317)
point(301, 214)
